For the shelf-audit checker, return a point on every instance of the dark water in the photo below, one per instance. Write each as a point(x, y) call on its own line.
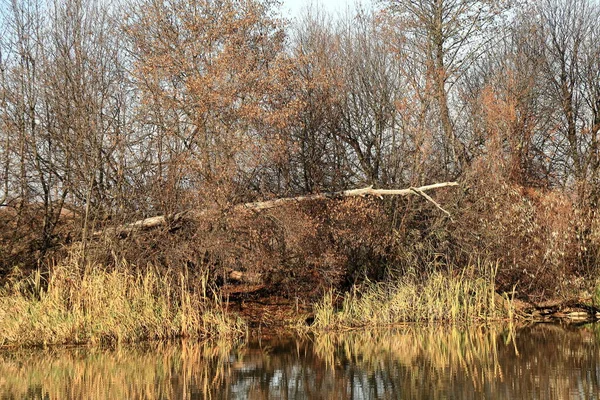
point(536, 362)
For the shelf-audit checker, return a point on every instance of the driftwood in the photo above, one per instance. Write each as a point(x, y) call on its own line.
point(166, 220)
point(572, 309)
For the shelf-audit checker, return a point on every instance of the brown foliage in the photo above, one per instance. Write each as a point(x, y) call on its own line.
point(208, 104)
point(540, 238)
point(216, 87)
point(300, 249)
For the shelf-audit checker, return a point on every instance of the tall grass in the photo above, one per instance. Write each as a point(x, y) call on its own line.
point(443, 297)
point(94, 305)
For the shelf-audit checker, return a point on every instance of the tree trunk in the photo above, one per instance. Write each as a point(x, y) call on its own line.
point(163, 220)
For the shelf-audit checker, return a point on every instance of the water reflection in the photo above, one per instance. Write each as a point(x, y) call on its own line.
point(539, 361)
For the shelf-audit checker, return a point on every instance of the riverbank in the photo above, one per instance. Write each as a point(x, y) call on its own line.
point(94, 305)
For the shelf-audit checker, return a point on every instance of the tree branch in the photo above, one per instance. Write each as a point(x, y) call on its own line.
point(164, 220)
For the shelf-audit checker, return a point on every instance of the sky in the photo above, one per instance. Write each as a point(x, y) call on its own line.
point(293, 8)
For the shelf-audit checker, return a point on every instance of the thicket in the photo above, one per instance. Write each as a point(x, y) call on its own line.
point(110, 114)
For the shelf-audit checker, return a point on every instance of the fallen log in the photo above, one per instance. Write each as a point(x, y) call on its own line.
point(368, 191)
point(572, 309)
point(165, 220)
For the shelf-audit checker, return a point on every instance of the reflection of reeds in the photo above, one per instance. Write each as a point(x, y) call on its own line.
point(410, 361)
point(91, 305)
point(152, 371)
point(438, 352)
point(442, 297)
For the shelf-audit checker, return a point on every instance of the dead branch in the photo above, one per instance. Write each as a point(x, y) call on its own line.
point(368, 191)
point(428, 198)
point(164, 220)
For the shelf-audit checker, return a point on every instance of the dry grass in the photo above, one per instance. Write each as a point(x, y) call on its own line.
point(442, 297)
point(93, 305)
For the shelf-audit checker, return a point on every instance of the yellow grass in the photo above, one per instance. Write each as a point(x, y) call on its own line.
point(442, 297)
point(95, 305)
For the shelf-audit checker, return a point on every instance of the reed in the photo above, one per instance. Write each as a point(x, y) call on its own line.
point(442, 297)
point(91, 304)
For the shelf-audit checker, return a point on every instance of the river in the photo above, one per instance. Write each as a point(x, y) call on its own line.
point(540, 361)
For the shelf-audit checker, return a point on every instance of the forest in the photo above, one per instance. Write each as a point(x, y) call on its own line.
point(187, 110)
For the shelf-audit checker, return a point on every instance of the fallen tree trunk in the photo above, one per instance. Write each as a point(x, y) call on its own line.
point(573, 309)
point(368, 191)
point(165, 220)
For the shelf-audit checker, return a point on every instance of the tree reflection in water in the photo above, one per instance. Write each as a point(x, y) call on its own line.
point(538, 361)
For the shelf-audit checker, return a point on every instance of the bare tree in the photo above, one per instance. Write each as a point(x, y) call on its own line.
point(371, 89)
point(82, 82)
point(59, 89)
point(317, 160)
point(506, 115)
point(28, 179)
point(447, 37)
point(355, 126)
point(567, 28)
point(590, 76)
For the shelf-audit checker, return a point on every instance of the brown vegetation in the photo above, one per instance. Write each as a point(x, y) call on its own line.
point(110, 116)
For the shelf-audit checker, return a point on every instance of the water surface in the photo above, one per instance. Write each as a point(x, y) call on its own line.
point(537, 362)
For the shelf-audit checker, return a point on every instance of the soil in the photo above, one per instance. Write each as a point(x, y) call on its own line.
point(262, 309)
